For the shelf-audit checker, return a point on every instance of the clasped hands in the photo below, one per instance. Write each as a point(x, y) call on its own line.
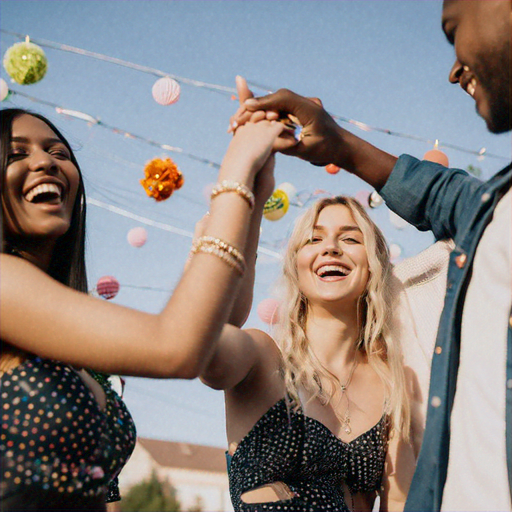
point(319, 137)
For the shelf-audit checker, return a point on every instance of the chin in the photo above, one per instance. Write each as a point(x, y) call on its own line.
point(497, 117)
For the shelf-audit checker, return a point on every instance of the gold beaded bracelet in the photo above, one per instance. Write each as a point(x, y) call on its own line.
point(234, 186)
point(211, 245)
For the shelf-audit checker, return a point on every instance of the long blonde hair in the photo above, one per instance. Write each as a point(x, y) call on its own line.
point(301, 368)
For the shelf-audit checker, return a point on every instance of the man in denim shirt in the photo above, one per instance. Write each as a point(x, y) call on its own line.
point(465, 461)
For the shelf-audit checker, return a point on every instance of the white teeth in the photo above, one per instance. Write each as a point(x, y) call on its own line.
point(44, 188)
point(332, 268)
point(471, 87)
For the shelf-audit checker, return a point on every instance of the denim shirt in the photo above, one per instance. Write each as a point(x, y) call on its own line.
point(452, 204)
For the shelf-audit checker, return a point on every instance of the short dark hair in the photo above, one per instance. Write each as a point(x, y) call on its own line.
point(68, 260)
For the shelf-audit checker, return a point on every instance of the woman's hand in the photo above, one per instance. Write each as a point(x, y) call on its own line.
point(249, 150)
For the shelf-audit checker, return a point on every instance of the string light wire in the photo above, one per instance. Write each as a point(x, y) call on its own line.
point(480, 153)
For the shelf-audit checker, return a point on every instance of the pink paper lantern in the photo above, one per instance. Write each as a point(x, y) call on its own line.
point(268, 311)
point(137, 237)
point(107, 287)
point(363, 197)
point(166, 91)
point(434, 155)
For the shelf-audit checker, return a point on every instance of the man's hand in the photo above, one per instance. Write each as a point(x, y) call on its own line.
point(320, 135)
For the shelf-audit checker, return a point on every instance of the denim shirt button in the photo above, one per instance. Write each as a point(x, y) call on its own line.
point(439, 350)
point(485, 197)
point(460, 260)
point(435, 402)
point(509, 383)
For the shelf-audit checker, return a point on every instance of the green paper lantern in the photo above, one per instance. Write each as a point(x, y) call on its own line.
point(26, 63)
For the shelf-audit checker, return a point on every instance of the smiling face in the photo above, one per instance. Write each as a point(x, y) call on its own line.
point(480, 31)
point(333, 265)
point(41, 182)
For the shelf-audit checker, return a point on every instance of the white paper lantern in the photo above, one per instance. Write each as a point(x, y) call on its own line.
point(166, 91)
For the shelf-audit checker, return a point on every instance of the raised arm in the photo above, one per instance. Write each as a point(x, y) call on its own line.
point(43, 317)
point(437, 198)
point(322, 140)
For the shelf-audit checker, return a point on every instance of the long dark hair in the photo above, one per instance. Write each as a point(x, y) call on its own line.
point(68, 260)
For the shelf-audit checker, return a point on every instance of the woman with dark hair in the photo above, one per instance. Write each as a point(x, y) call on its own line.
point(64, 436)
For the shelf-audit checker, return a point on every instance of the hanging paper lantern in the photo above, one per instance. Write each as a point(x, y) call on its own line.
point(137, 237)
point(375, 200)
point(268, 311)
point(288, 189)
point(332, 169)
point(397, 221)
point(276, 205)
point(363, 197)
point(434, 155)
point(162, 178)
point(107, 287)
point(4, 89)
point(25, 62)
point(395, 251)
point(166, 91)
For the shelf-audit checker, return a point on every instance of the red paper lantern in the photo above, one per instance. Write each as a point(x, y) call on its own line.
point(434, 155)
point(107, 287)
point(332, 169)
point(166, 91)
point(137, 237)
point(268, 311)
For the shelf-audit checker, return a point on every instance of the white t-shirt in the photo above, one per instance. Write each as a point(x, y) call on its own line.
point(477, 470)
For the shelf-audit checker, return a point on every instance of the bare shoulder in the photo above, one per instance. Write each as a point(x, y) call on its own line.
point(18, 276)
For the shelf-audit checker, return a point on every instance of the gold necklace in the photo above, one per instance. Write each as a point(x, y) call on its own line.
point(345, 420)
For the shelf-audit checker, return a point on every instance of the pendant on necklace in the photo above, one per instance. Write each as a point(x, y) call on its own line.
point(348, 430)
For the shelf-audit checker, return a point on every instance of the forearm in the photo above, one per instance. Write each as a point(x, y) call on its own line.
point(361, 158)
point(243, 302)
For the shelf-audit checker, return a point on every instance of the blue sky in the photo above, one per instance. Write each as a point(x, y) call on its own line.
point(381, 62)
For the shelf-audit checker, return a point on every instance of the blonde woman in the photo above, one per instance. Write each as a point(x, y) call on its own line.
point(318, 419)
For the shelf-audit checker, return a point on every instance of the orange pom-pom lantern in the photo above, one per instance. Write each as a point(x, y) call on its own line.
point(107, 287)
point(166, 91)
point(137, 237)
point(436, 156)
point(268, 311)
point(162, 178)
point(332, 169)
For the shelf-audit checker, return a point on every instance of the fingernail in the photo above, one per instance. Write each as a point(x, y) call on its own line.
point(234, 124)
point(250, 102)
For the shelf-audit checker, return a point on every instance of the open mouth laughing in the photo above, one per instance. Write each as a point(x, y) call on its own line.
point(45, 193)
point(332, 271)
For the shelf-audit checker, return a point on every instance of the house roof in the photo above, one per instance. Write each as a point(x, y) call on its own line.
point(185, 455)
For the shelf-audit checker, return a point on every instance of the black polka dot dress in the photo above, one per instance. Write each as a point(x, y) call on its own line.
point(54, 435)
point(287, 446)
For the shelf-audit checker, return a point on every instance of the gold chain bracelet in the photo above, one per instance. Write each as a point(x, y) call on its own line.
point(211, 245)
point(234, 186)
